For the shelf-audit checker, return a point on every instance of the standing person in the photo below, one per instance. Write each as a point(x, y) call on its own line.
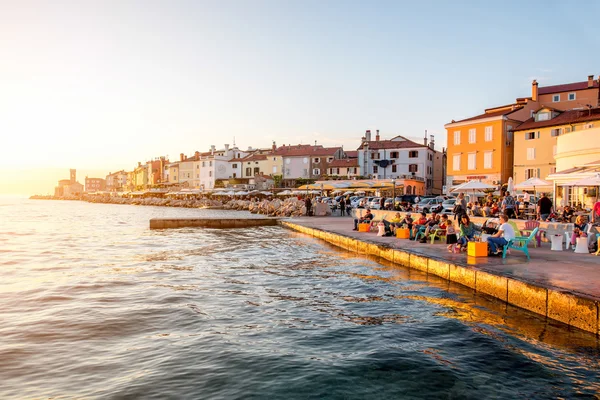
point(308, 205)
point(460, 207)
point(505, 233)
point(596, 211)
point(342, 207)
point(417, 199)
point(544, 207)
point(382, 203)
point(508, 206)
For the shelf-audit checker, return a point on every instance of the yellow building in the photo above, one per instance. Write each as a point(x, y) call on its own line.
point(481, 147)
point(556, 140)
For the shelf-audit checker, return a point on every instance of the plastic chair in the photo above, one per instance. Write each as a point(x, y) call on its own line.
point(438, 233)
point(530, 225)
point(520, 243)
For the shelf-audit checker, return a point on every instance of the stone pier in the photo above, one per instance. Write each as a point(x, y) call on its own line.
point(168, 223)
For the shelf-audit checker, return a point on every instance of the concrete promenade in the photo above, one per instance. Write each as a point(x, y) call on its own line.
point(560, 285)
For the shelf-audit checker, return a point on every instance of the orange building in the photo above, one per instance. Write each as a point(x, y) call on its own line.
point(482, 147)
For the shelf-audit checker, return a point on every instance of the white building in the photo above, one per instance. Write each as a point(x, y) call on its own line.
point(215, 165)
point(397, 158)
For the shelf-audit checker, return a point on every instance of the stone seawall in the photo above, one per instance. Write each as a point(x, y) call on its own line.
point(576, 310)
point(221, 223)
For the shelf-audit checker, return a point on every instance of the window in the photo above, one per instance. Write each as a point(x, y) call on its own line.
point(530, 135)
point(556, 132)
point(413, 168)
point(256, 171)
point(555, 98)
point(375, 169)
point(210, 163)
point(316, 160)
point(305, 160)
point(234, 166)
point(542, 116)
point(248, 171)
point(456, 162)
point(234, 175)
point(287, 171)
point(210, 174)
point(569, 129)
point(316, 171)
point(375, 156)
point(394, 168)
point(531, 153)
point(571, 96)
point(274, 170)
point(471, 161)
point(204, 163)
point(413, 154)
point(394, 154)
point(456, 137)
point(472, 135)
point(532, 173)
point(487, 160)
point(198, 166)
point(329, 159)
point(588, 126)
point(488, 133)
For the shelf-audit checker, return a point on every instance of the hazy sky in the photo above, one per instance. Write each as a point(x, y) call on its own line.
point(99, 86)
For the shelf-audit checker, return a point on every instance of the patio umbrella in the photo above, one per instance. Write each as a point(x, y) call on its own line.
point(472, 187)
point(593, 180)
point(532, 184)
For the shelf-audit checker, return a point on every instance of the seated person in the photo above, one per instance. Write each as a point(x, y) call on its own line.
point(421, 222)
point(505, 233)
point(467, 231)
point(490, 226)
point(367, 218)
point(408, 221)
point(567, 214)
point(579, 229)
point(495, 209)
point(432, 223)
point(476, 210)
point(486, 211)
point(439, 222)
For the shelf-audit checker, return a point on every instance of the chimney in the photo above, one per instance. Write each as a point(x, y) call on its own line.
point(534, 90)
point(432, 142)
point(590, 81)
point(197, 155)
point(274, 147)
point(368, 135)
point(377, 135)
point(226, 148)
point(212, 149)
point(181, 157)
point(139, 164)
point(425, 138)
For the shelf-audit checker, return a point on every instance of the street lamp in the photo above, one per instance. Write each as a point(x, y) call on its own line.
point(394, 193)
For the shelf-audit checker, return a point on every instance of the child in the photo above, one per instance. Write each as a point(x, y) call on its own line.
point(451, 236)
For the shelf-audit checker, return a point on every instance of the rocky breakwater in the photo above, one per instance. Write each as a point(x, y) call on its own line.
point(290, 207)
point(142, 201)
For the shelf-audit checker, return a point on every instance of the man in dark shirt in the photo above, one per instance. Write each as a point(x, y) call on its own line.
point(367, 218)
point(544, 207)
point(567, 214)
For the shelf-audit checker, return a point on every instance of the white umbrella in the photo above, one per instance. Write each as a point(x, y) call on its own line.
point(472, 186)
point(532, 183)
point(510, 186)
point(593, 180)
point(284, 193)
point(267, 193)
point(242, 193)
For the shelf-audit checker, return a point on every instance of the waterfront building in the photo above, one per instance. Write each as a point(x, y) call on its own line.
point(439, 172)
point(116, 181)
point(482, 147)
point(69, 187)
point(94, 184)
point(172, 173)
point(304, 161)
point(396, 158)
point(186, 171)
point(156, 171)
point(344, 167)
point(140, 181)
point(215, 166)
point(130, 180)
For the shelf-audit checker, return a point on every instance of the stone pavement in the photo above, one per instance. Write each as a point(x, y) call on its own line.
point(561, 270)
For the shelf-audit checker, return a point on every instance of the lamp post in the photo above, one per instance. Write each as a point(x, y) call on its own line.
point(394, 193)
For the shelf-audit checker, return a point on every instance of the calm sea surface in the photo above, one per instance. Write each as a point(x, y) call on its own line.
point(95, 305)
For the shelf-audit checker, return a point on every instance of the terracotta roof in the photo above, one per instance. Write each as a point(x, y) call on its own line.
point(351, 154)
point(491, 114)
point(391, 144)
point(343, 163)
point(251, 157)
point(568, 87)
point(565, 118)
point(305, 150)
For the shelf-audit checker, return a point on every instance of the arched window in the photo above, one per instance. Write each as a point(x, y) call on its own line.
point(408, 190)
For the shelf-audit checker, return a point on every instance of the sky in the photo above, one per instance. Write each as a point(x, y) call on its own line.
point(101, 85)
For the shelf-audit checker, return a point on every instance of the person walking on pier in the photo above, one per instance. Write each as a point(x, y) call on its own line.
point(308, 204)
point(342, 207)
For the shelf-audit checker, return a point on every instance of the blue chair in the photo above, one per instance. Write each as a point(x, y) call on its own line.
point(520, 243)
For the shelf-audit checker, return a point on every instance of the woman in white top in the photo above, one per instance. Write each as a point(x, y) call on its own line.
point(501, 238)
